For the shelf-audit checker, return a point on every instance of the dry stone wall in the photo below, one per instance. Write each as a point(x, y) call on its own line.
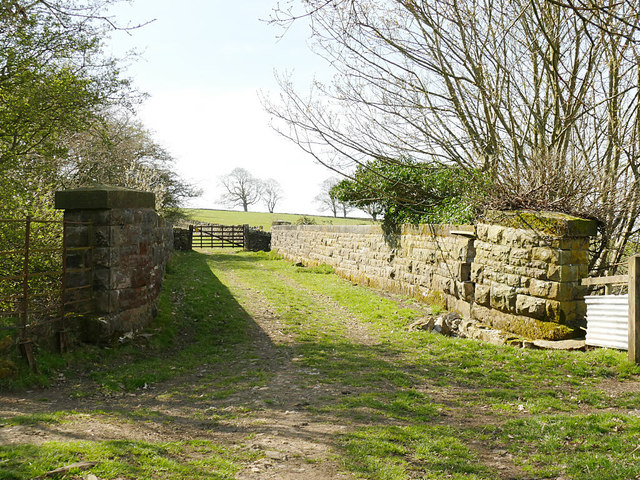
point(515, 271)
point(422, 261)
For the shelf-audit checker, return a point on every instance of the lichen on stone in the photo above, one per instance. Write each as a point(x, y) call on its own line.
point(545, 223)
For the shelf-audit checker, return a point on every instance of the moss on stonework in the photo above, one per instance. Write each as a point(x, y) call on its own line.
point(538, 329)
point(547, 223)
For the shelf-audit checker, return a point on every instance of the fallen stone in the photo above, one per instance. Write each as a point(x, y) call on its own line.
point(441, 326)
point(560, 344)
point(273, 455)
point(424, 323)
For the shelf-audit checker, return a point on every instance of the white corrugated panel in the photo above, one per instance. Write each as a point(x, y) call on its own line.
point(608, 321)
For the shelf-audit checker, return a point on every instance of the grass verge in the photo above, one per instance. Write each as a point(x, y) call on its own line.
point(118, 459)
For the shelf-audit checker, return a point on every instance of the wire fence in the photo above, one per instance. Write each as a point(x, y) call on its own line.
point(43, 283)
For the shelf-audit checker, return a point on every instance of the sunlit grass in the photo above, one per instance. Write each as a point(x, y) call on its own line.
point(123, 459)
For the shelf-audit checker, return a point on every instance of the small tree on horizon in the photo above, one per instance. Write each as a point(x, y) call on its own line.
point(271, 193)
point(241, 189)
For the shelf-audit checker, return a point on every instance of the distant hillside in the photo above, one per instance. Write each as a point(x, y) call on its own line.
point(254, 219)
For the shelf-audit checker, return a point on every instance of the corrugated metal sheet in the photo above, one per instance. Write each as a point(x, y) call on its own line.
point(608, 321)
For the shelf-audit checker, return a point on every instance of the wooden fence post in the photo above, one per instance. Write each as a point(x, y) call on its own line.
point(634, 309)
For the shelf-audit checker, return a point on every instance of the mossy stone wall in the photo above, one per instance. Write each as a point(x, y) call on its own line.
point(518, 271)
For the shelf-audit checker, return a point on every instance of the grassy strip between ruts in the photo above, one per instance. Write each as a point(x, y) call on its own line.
point(416, 404)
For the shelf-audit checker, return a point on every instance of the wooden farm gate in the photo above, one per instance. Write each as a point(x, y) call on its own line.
point(215, 235)
point(44, 284)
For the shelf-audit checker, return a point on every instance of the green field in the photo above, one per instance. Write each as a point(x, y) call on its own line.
point(254, 219)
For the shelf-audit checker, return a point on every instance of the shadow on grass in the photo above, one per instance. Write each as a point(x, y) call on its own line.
point(201, 371)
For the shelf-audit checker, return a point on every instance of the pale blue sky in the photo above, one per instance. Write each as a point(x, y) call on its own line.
point(203, 63)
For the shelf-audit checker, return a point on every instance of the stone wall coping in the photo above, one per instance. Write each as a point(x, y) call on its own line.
point(544, 223)
point(100, 197)
point(424, 229)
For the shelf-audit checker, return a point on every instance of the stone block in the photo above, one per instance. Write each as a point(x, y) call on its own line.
point(466, 291)
point(102, 279)
point(543, 223)
point(103, 197)
point(464, 272)
point(530, 306)
point(102, 236)
point(95, 217)
point(121, 278)
point(102, 257)
point(481, 232)
point(573, 257)
point(122, 216)
point(106, 301)
point(541, 288)
point(566, 313)
point(513, 280)
point(545, 254)
point(570, 243)
point(477, 271)
point(564, 273)
point(77, 236)
point(503, 297)
point(77, 259)
point(482, 294)
point(495, 233)
point(77, 279)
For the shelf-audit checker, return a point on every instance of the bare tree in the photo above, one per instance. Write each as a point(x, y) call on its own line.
point(541, 95)
point(120, 151)
point(271, 193)
point(241, 188)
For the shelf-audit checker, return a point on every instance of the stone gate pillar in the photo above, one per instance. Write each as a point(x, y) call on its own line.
point(527, 272)
point(131, 246)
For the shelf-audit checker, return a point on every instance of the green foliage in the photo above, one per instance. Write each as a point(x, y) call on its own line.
point(306, 220)
point(407, 191)
point(119, 151)
point(54, 80)
point(44, 269)
point(59, 92)
point(322, 269)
